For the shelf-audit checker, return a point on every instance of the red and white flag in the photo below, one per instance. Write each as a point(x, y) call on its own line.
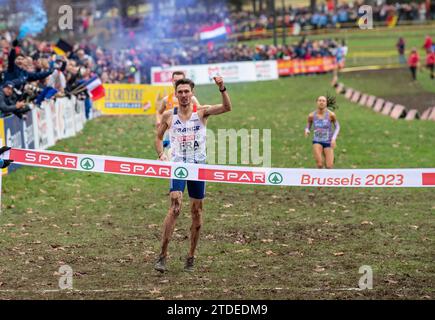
point(95, 88)
point(214, 32)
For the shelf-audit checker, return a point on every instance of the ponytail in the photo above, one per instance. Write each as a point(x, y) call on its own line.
point(331, 102)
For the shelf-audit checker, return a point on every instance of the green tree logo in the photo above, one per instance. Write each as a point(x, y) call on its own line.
point(275, 178)
point(87, 164)
point(181, 173)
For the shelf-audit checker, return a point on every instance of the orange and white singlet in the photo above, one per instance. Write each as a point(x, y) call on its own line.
point(172, 102)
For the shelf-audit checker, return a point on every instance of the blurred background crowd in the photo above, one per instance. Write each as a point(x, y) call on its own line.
point(119, 42)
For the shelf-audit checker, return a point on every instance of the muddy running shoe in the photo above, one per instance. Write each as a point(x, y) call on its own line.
point(160, 264)
point(188, 266)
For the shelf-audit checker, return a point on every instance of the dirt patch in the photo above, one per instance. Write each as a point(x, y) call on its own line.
point(394, 85)
point(420, 102)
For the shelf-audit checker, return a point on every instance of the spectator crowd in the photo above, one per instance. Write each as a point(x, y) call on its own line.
point(326, 15)
point(32, 64)
point(32, 70)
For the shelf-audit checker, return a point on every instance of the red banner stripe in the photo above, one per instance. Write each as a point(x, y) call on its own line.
point(140, 169)
point(231, 176)
point(429, 179)
point(44, 159)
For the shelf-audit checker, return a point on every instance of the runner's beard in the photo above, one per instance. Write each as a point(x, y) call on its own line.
point(185, 105)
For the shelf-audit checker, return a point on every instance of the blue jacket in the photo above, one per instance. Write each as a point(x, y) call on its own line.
point(15, 73)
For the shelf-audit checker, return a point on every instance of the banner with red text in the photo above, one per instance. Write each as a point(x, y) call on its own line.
point(392, 178)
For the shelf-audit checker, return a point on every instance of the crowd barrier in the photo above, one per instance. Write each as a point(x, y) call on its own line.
point(298, 66)
point(133, 99)
point(244, 71)
point(143, 99)
point(43, 127)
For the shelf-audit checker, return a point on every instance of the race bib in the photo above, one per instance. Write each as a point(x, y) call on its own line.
point(321, 135)
point(188, 146)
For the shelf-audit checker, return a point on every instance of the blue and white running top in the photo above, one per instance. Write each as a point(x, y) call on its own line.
point(188, 139)
point(322, 128)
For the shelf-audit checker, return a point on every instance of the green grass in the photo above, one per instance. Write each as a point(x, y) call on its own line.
point(426, 83)
point(257, 242)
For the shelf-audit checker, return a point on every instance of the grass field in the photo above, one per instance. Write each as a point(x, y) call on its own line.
point(257, 242)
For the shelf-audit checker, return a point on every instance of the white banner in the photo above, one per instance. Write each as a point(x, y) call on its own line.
point(369, 178)
point(231, 72)
point(79, 115)
point(43, 126)
point(56, 119)
point(67, 117)
point(266, 70)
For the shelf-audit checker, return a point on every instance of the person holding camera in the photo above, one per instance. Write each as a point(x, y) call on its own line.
point(9, 101)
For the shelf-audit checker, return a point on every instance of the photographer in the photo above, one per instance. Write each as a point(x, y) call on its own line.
point(9, 102)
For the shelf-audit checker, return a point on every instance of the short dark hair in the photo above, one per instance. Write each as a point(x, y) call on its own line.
point(184, 81)
point(178, 73)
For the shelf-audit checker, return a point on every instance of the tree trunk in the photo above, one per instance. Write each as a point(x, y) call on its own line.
point(313, 5)
point(273, 12)
point(254, 6)
point(239, 5)
point(123, 8)
point(270, 6)
point(284, 28)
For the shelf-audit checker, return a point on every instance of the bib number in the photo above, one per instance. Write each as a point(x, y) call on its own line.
point(321, 135)
point(188, 146)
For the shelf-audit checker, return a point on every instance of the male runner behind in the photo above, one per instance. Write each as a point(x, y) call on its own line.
point(187, 130)
point(169, 102)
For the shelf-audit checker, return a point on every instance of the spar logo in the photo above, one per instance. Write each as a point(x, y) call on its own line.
point(87, 164)
point(140, 169)
point(275, 178)
point(181, 173)
point(44, 159)
point(232, 176)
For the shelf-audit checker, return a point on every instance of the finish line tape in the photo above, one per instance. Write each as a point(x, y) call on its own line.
point(228, 174)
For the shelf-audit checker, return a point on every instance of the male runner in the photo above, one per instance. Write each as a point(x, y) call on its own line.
point(187, 130)
point(169, 102)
